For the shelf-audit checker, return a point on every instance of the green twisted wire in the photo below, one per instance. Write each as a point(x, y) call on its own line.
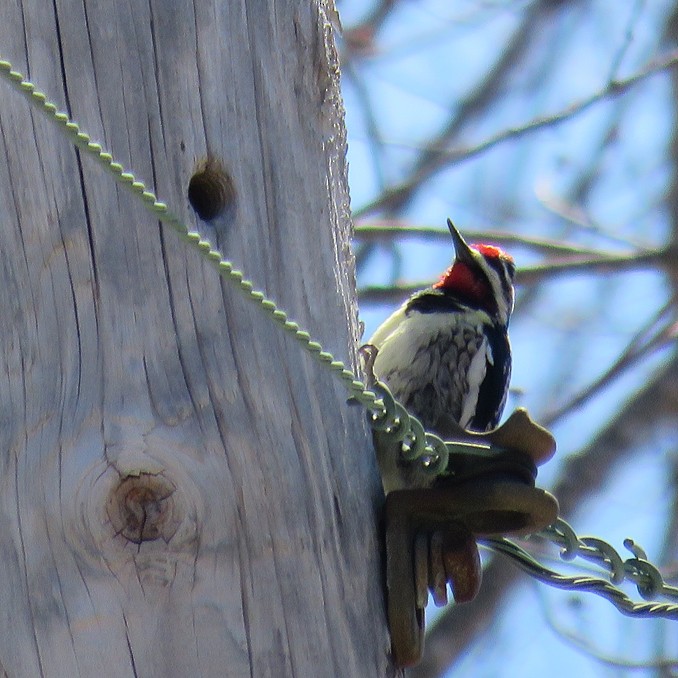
point(378, 411)
point(638, 570)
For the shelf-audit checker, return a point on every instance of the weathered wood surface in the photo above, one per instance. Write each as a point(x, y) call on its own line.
point(142, 398)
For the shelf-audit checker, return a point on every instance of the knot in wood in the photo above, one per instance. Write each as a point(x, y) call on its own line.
point(141, 508)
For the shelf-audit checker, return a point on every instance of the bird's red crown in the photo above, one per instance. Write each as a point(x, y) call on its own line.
point(492, 252)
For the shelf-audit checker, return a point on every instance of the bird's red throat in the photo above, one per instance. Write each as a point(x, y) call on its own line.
point(461, 280)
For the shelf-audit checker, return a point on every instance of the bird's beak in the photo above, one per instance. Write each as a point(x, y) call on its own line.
point(463, 251)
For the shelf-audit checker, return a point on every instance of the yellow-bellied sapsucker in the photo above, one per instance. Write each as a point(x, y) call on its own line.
point(445, 353)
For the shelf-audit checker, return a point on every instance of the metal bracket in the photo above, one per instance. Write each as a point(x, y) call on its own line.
point(431, 532)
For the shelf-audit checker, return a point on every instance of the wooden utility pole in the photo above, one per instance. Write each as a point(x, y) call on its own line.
point(183, 492)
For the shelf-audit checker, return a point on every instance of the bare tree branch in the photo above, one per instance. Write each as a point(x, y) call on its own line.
point(636, 11)
point(659, 332)
point(431, 158)
point(387, 230)
point(672, 196)
point(359, 39)
point(396, 197)
point(666, 258)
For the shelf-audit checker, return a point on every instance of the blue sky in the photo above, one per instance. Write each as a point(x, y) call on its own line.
point(609, 165)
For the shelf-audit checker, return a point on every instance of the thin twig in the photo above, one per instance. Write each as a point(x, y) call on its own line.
point(628, 38)
point(651, 259)
point(387, 230)
point(374, 139)
point(585, 646)
point(612, 90)
point(576, 215)
point(531, 275)
point(639, 347)
point(430, 159)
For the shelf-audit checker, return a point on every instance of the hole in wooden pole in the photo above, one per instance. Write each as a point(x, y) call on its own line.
point(211, 190)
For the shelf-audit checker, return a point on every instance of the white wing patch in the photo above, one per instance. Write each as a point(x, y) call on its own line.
point(474, 378)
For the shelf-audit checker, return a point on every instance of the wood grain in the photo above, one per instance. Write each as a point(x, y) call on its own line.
point(137, 387)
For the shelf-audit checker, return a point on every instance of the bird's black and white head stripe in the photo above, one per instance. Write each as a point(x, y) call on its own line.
point(491, 272)
point(499, 271)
